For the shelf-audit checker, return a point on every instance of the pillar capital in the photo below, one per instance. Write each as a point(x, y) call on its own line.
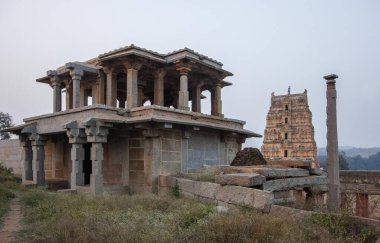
point(37, 139)
point(75, 133)
point(330, 79)
point(96, 131)
point(107, 70)
point(160, 73)
point(136, 65)
point(183, 70)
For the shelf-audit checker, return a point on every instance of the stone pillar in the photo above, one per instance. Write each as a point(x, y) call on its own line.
point(183, 94)
point(196, 99)
point(132, 89)
point(333, 200)
point(216, 99)
point(57, 97)
point(69, 95)
point(76, 76)
point(38, 147)
point(77, 138)
point(101, 88)
point(111, 86)
point(159, 80)
point(97, 133)
point(140, 95)
point(152, 159)
point(27, 157)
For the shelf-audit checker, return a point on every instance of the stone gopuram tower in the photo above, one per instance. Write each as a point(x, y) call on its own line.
point(289, 132)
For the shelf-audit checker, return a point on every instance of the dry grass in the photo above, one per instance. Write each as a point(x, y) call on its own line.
point(52, 217)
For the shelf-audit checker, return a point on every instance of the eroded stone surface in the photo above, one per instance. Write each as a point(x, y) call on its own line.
point(240, 179)
point(294, 183)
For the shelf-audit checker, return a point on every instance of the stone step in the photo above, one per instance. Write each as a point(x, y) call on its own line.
point(240, 179)
point(294, 183)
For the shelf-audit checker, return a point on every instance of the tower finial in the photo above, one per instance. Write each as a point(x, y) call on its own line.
point(288, 90)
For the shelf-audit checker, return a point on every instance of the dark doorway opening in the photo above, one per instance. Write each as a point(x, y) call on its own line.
point(87, 163)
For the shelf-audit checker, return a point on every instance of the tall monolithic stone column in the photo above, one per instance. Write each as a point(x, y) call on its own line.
point(333, 200)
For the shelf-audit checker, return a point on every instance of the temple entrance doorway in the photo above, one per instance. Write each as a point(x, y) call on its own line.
point(87, 163)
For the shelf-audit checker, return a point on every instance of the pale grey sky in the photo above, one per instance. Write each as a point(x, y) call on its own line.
point(268, 45)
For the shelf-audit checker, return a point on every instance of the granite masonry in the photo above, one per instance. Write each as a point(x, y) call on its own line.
point(127, 116)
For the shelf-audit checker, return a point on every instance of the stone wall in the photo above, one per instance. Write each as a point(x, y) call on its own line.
point(361, 192)
point(10, 155)
point(204, 148)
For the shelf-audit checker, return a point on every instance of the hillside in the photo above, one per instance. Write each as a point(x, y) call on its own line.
point(352, 151)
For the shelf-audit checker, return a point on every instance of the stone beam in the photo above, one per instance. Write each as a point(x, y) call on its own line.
point(240, 179)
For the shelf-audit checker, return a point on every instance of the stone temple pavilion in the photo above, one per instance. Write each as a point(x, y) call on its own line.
point(107, 140)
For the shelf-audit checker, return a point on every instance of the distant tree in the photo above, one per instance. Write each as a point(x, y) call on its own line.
point(343, 163)
point(5, 121)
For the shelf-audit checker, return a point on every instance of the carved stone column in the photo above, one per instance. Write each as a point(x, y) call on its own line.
point(159, 80)
point(76, 76)
point(69, 94)
point(77, 138)
point(57, 97)
point(38, 146)
point(101, 88)
point(216, 100)
point(132, 86)
point(27, 157)
point(140, 95)
point(196, 98)
point(333, 200)
point(183, 94)
point(97, 133)
point(111, 86)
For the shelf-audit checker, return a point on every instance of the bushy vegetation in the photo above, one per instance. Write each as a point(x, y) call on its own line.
point(7, 182)
point(52, 217)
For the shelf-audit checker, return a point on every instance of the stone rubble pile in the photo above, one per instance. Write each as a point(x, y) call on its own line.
point(248, 156)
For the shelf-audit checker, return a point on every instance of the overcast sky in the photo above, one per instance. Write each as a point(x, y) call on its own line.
point(267, 45)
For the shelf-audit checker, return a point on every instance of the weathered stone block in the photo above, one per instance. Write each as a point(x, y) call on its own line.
point(244, 196)
point(281, 172)
point(293, 183)
point(241, 179)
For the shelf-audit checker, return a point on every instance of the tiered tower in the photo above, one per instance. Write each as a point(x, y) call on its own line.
point(289, 132)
